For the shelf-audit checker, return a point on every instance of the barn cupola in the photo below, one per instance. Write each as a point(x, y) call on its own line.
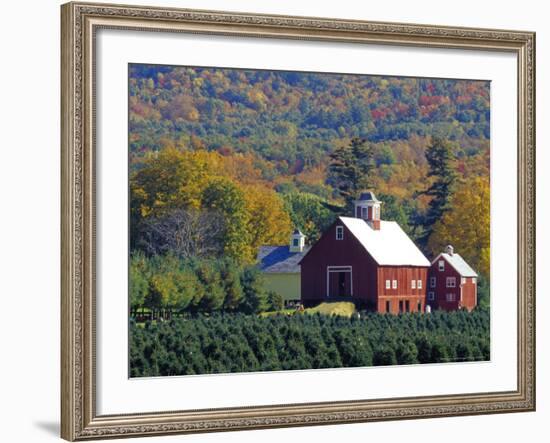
point(297, 241)
point(367, 207)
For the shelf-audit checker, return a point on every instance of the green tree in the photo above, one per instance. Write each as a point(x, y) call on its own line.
point(354, 349)
point(255, 296)
point(161, 286)
point(440, 159)
point(350, 170)
point(214, 343)
point(214, 293)
point(384, 355)
point(230, 275)
point(406, 352)
point(275, 301)
point(483, 293)
point(138, 281)
point(393, 210)
point(187, 286)
point(440, 351)
point(226, 198)
point(308, 213)
point(424, 348)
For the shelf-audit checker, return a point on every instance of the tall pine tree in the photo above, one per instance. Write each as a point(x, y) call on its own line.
point(350, 171)
point(440, 159)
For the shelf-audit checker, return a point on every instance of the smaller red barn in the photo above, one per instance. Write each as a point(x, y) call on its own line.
point(452, 283)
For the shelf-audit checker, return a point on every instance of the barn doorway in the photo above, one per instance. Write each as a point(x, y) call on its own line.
point(339, 282)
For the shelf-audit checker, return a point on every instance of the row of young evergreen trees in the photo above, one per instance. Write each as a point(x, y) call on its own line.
point(165, 286)
point(220, 343)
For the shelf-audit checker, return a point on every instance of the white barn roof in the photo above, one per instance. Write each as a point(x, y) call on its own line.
point(388, 246)
point(458, 263)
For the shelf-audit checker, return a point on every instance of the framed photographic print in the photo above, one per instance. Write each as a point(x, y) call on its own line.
point(282, 221)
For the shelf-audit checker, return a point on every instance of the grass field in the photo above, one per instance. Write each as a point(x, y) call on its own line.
point(345, 309)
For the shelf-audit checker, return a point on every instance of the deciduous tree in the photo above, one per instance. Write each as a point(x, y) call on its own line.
point(224, 197)
point(268, 221)
point(185, 232)
point(465, 225)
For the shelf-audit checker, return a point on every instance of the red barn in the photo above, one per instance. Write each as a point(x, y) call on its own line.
point(453, 283)
point(366, 260)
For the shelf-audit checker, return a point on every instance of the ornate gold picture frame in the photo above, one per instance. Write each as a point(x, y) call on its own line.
point(80, 23)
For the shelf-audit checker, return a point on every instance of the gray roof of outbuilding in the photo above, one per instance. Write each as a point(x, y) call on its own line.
point(279, 259)
point(458, 263)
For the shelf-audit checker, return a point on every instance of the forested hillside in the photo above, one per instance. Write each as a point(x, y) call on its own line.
point(287, 123)
point(223, 161)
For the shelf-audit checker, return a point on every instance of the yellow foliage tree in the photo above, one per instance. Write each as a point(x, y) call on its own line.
point(466, 226)
point(172, 179)
point(268, 223)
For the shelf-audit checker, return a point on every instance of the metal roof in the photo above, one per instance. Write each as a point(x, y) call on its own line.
point(279, 259)
point(458, 263)
point(389, 245)
point(367, 195)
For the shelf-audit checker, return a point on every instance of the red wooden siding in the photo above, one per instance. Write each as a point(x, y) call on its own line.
point(469, 293)
point(331, 252)
point(404, 292)
point(465, 295)
point(367, 279)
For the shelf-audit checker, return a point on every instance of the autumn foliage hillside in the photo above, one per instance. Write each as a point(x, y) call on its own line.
point(245, 155)
point(286, 123)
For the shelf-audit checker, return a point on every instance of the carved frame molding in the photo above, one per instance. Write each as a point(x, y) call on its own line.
point(80, 21)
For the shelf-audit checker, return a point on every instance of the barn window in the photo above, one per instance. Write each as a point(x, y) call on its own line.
point(441, 265)
point(394, 284)
point(339, 233)
point(431, 295)
point(419, 306)
point(296, 242)
point(388, 306)
point(419, 284)
point(407, 306)
point(451, 282)
point(432, 282)
point(451, 296)
point(388, 284)
point(413, 284)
